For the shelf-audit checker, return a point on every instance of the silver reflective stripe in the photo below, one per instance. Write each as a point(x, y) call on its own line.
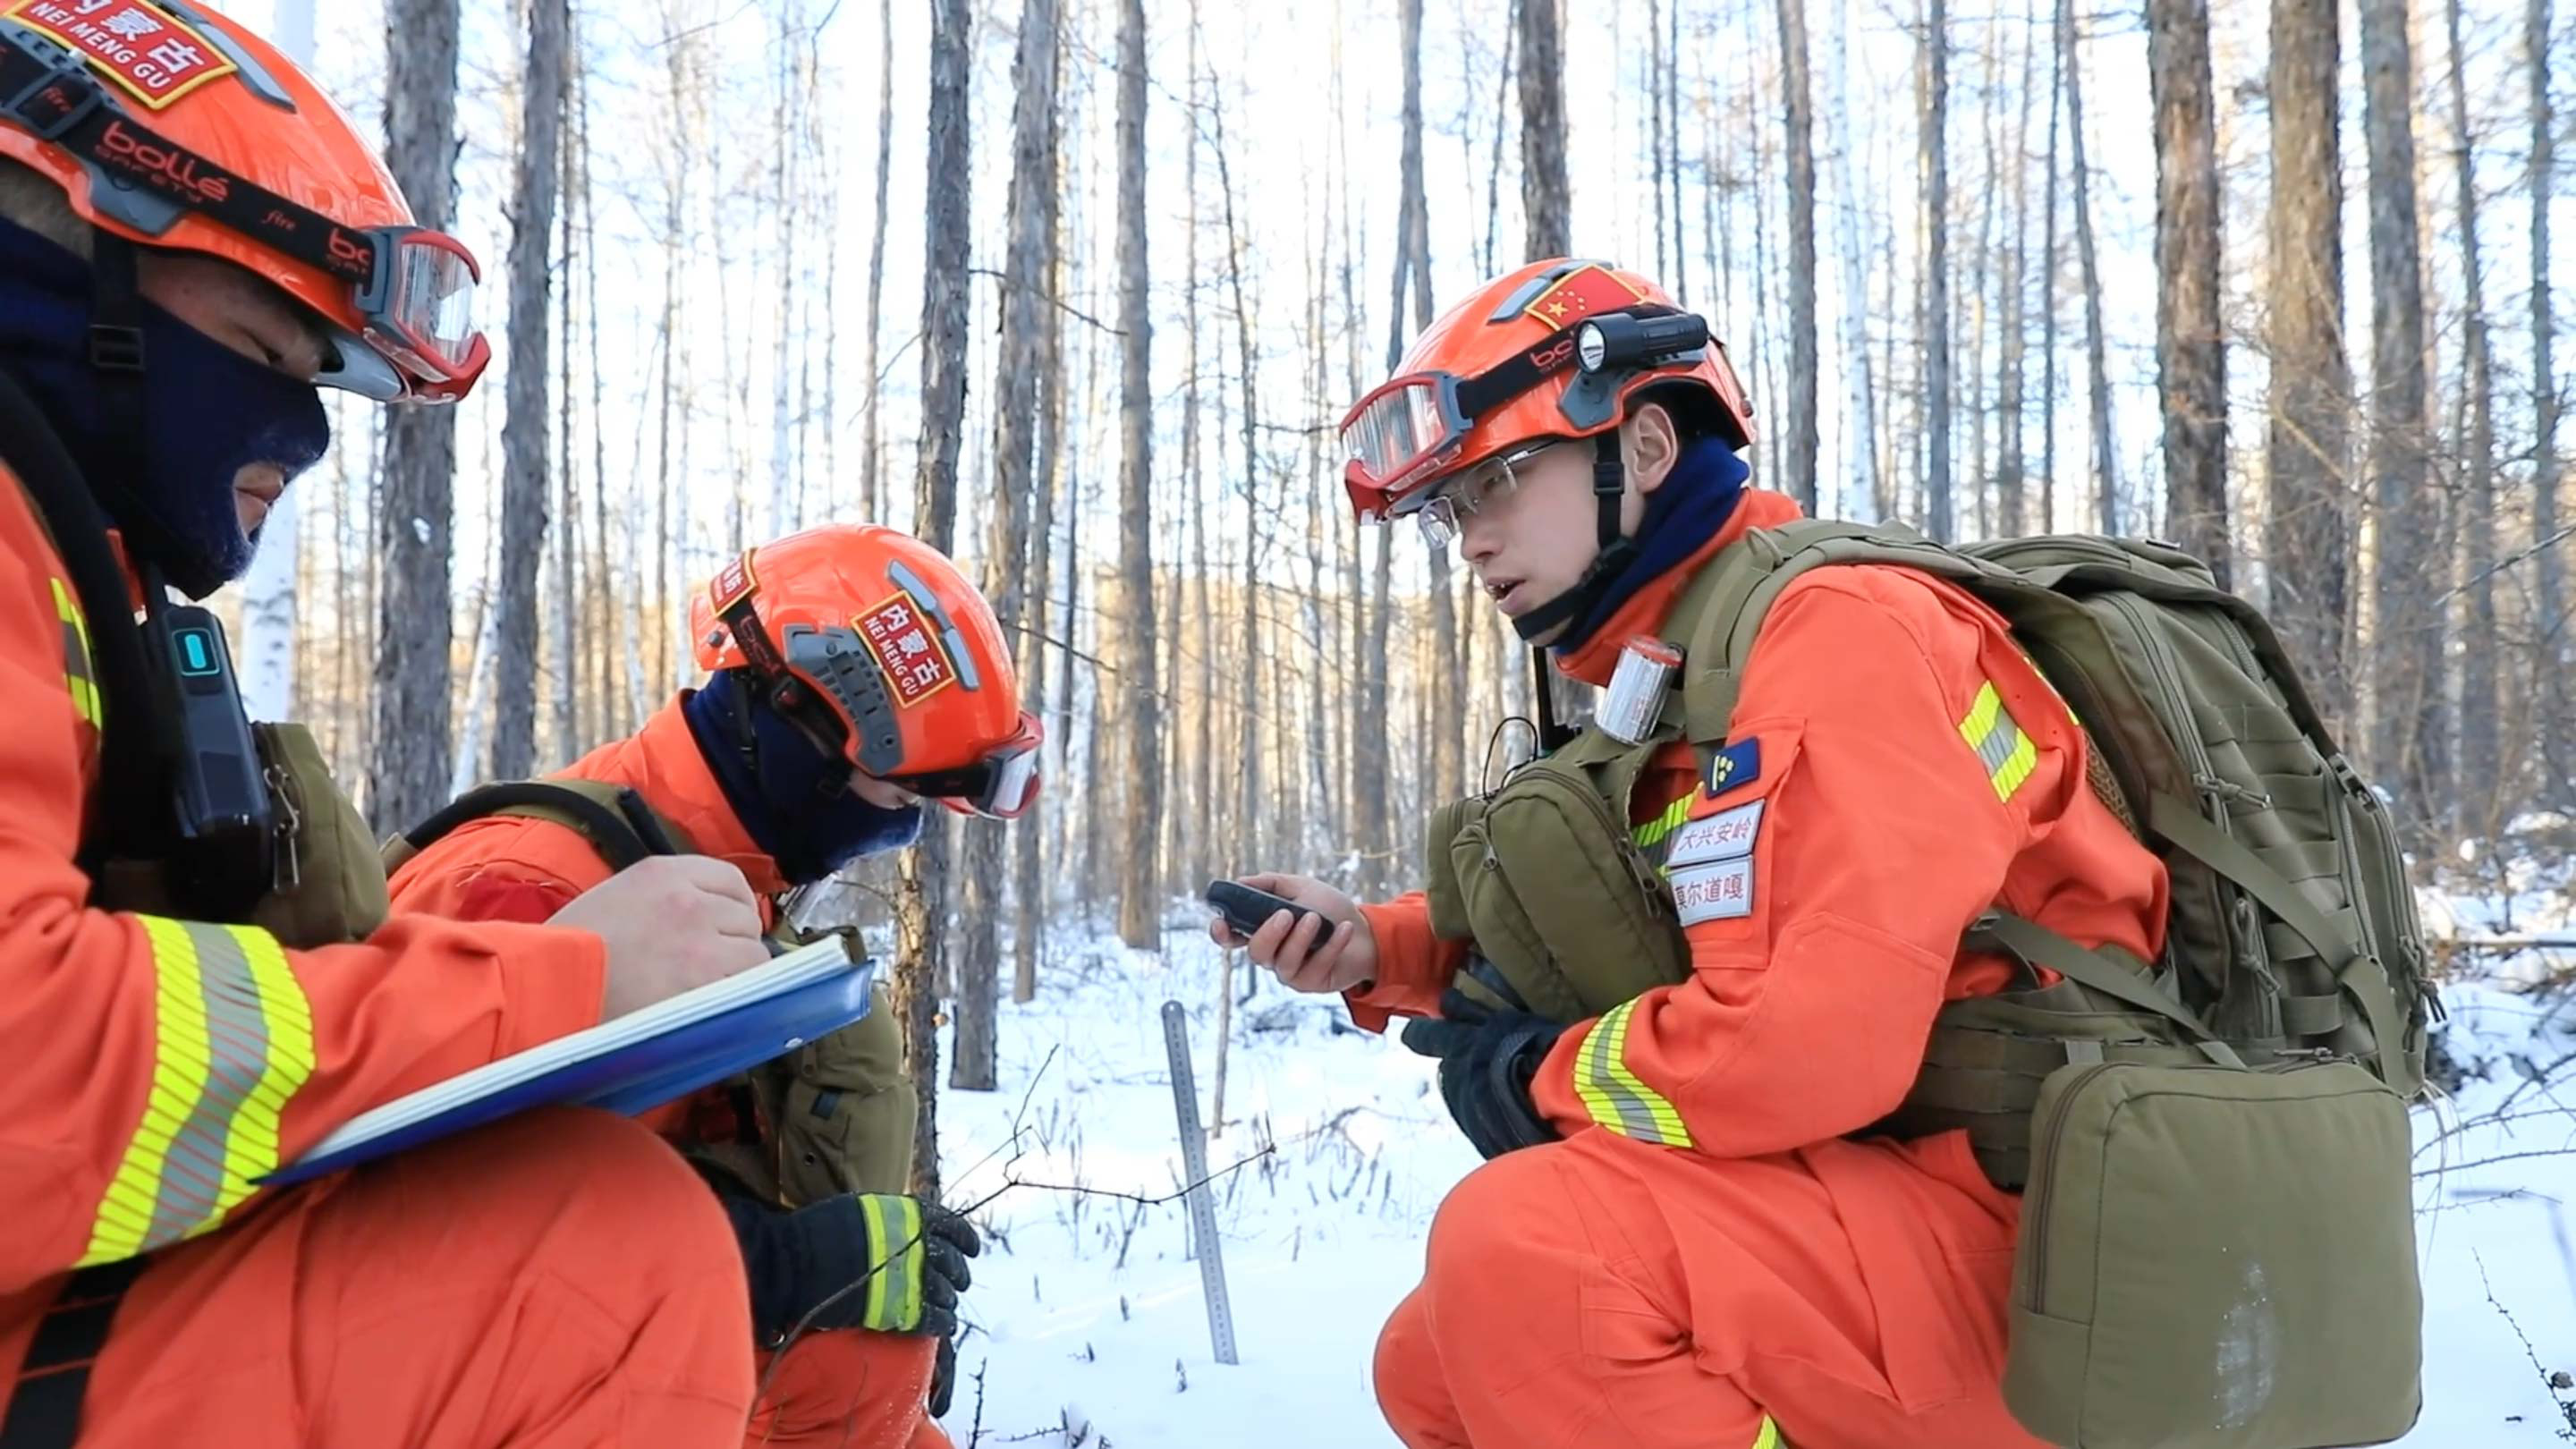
point(237, 1046)
point(1636, 1119)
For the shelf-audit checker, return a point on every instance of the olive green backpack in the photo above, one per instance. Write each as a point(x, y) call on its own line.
point(2217, 1245)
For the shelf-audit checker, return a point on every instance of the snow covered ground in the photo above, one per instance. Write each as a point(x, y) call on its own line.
point(1090, 1329)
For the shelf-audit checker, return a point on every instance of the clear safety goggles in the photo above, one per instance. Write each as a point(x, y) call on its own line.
point(418, 304)
point(1413, 426)
point(1002, 785)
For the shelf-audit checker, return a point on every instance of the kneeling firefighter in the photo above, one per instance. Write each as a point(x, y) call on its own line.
point(198, 980)
point(853, 671)
point(1867, 1053)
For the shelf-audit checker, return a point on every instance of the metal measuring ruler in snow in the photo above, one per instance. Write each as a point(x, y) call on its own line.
point(1202, 1202)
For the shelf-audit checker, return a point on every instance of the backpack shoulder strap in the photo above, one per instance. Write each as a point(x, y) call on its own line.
point(1749, 576)
point(613, 818)
point(136, 739)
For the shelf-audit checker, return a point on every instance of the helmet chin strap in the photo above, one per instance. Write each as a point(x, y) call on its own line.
point(1609, 484)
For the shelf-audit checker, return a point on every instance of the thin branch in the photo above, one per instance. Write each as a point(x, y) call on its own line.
point(1058, 303)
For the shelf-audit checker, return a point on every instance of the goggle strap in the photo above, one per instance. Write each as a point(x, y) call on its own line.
point(743, 620)
point(69, 106)
point(1526, 369)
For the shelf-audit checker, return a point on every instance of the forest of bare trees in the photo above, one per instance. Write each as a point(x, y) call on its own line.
point(2286, 303)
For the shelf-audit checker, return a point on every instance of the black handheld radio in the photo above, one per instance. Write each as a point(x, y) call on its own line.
point(218, 787)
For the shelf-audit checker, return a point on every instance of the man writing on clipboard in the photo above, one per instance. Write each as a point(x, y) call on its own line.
point(852, 672)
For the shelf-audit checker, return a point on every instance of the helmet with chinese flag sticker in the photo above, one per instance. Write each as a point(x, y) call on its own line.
point(170, 126)
point(1554, 350)
point(1549, 353)
point(876, 645)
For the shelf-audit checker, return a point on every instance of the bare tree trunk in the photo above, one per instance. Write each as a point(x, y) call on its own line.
point(2310, 528)
point(2106, 468)
point(1679, 278)
point(1413, 262)
point(2408, 710)
point(2011, 458)
point(1318, 818)
point(578, 689)
point(2549, 604)
point(268, 590)
point(1029, 224)
point(408, 756)
point(2048, 297)
point(1932, 107)
point(1798, 477)
point(2191, 351)
point(1247, 763)
point(1075, 500)
point(1140, 720)
point(872, 499)
point(1978, 505)
point(2481, 754)
point(920, 902)
point(1546, 196)
point(1029, 883)
point(524, 451)
point(1654, 62)
point(1860, 399)
point(1200, 820)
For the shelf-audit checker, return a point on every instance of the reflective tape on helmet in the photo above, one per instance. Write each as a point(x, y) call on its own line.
point(1613, 1095)
point(233, 1042)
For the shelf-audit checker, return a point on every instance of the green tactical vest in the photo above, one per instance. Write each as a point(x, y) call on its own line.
point(2236, 1107)
point(834, 1116)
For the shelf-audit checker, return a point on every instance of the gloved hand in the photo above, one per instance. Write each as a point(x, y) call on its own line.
point(907, 1260)
point(1488, 1057)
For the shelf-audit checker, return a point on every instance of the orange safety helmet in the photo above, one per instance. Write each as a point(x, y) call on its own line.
point(1552, 351)
point(169, 126)
point(876, 645)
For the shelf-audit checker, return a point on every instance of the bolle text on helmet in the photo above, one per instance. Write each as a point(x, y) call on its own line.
point(1552, 356)
point(169, 169)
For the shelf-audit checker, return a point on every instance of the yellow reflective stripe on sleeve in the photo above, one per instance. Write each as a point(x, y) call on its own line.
point(1653, 832)
point(1769, 1438)
point(1613, 1095)
point(232, 1042)
point(2006, 752)
point(872, 1211)
point(80, 675)
point(916, 1253)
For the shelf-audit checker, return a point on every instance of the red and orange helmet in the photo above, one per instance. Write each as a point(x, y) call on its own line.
point(876, 644)
point(1555, 350)
point(172, 127)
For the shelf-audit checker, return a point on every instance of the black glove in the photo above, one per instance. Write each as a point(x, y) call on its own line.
point(902, 1261)
point(1488, 1057)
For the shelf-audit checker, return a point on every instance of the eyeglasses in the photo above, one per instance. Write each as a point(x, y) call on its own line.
point(1443, 514)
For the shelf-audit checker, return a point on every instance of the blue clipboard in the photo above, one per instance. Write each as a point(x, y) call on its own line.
point(625, 1079)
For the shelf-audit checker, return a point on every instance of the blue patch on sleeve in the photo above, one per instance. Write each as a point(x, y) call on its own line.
point(1737, 765)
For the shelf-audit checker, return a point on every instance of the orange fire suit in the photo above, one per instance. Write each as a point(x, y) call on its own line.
point(847, 1388)
point(561, 1279)
point(1708, 1259)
